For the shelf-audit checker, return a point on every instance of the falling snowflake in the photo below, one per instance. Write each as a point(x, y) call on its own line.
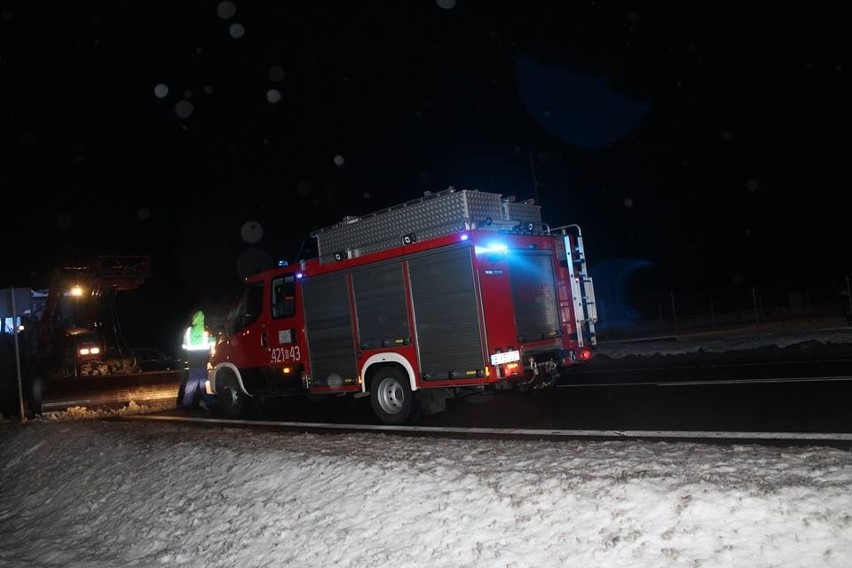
point(226, 10)
point(184, 108)
point(276, 73)
point(251, 232)
point(273, 96)
point(161, 90)
point(236, 30)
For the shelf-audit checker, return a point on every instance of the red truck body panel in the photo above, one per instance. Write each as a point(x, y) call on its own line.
point(475, 307)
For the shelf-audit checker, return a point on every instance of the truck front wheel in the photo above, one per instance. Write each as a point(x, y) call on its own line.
point(230, 399)
point(391, 396)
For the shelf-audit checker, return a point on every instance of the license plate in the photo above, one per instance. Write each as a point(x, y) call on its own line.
point(505, 357)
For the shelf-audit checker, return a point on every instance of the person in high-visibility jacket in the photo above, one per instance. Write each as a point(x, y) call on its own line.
point(197, 343)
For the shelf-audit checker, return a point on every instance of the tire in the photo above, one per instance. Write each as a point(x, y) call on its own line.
point(391, 396)
point(230, 400)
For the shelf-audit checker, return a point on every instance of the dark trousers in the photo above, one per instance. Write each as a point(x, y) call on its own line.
point(193, 391)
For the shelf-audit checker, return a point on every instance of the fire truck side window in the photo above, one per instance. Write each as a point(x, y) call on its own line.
point(249, 308)
point(283, 297)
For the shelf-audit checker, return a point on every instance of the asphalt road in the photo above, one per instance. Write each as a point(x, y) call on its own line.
point(795, 396)
point(769, 398)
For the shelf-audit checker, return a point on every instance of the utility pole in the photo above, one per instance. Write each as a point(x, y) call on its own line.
point(534, 179)
point(674, 313)
point(15, 328)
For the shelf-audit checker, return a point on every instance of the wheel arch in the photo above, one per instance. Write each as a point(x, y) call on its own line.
point(219, 370)
point(374, 362)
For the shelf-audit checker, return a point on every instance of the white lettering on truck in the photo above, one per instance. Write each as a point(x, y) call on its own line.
point(285, 354)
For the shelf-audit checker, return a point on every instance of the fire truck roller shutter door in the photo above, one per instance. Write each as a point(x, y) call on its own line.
point(448, 326)
point(328, 327)
point(534, 295)
point(380, 305)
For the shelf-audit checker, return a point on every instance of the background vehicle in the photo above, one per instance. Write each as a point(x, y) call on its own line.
point(150, 359)
point(450, 294)
point(77, 329)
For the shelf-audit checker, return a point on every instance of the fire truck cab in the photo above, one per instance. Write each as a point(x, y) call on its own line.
point(452, 293)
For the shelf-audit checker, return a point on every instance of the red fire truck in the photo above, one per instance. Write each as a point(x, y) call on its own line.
point(456, 292)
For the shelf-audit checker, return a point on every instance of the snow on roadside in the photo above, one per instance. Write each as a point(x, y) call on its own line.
point(720, 344)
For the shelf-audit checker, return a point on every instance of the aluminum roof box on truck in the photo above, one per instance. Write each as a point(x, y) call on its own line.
point(433, 215)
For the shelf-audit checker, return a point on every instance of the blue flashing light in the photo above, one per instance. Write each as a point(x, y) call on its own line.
point(464, 237)
point(493, 249)
point(300, 275)
point(282, 263)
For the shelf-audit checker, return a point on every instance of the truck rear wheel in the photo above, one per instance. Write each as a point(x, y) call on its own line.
point(391, 396)
point(230, 400)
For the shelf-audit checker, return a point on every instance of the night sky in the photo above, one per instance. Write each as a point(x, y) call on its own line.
point(706, 142)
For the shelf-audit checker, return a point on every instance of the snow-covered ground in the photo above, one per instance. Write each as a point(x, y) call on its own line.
point(744, 339)
point(85, 492)
point(79, 489)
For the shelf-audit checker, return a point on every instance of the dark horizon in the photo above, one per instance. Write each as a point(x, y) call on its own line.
point(702, 146)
